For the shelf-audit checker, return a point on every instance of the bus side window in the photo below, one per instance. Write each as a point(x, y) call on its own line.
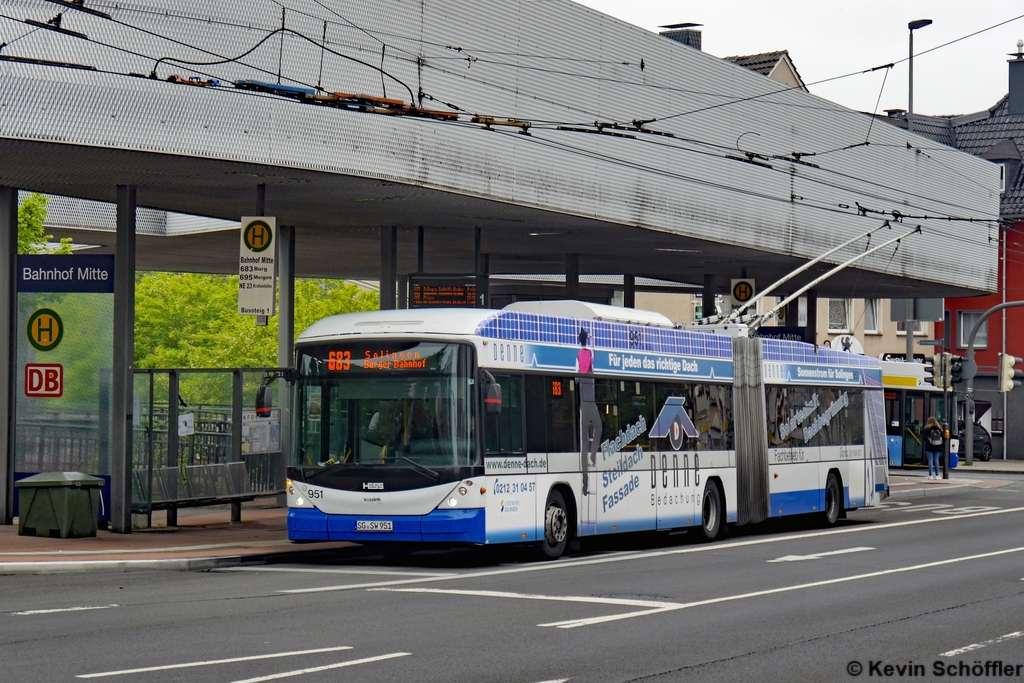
point(504, 433)
point(551, 415)
point(637, 399)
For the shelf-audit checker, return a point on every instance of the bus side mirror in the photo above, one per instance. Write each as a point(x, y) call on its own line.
point(492, 393)
point(264, 399)
point(492, 399)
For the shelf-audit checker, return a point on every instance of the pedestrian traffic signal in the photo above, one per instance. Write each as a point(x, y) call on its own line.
point(1008, 374)
point(956, 370)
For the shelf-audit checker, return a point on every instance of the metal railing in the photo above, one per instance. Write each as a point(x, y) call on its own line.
point(186, 419)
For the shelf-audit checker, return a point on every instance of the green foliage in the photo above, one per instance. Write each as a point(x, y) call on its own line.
point(32, 237)
point(187, 320)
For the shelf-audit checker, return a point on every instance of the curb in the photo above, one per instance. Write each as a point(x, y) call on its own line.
point(175, 564)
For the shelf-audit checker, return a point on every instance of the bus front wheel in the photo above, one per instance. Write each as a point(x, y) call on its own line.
point(556, 526)
point(711, 512)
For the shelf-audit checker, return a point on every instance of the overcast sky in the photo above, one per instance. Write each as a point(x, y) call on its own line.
point(831, 38)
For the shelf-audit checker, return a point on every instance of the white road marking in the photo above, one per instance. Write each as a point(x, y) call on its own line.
point(784, 589)
point(531, 596)
point(604, 559)
point(302, 570)
point(61, 609)
point(187, 665)
point(817, 556)
point(315, 669)
point(978, 646)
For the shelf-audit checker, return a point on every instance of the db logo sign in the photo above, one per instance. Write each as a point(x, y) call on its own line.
point(44, 380)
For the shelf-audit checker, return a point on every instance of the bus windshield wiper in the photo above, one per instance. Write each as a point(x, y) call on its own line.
point(425, 471)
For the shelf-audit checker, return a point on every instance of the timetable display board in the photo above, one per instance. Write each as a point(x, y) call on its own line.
point(442, 291)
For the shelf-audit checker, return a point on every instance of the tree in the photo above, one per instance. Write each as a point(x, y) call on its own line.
point(32, 237)
point(189, 320)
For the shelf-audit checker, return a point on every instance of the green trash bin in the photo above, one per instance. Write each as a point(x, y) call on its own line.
point(59, 505)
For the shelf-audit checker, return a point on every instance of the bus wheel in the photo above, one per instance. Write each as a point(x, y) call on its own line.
point(832, 501)
point(556, 526)
point(711, 512)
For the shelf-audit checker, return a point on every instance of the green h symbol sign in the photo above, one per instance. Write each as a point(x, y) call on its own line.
point(257, 236)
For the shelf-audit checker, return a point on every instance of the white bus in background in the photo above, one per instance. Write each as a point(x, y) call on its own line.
point(549, 421)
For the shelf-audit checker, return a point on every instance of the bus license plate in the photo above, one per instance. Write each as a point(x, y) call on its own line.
point(374, 525)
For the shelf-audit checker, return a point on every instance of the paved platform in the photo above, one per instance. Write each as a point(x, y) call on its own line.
point(204, 540)
point(207, 539)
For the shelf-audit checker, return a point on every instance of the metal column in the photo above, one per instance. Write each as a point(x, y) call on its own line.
point(124, 354)
point(708, 309)
point(8, 345)
point(388, 266)
point(285, 335)
point(629, 291)
point(572, 276)
point(812, 317)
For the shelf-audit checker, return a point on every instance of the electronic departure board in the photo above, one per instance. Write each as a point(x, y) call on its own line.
point(442, 291)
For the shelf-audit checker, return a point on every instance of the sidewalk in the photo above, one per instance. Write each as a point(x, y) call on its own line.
point(207, 539)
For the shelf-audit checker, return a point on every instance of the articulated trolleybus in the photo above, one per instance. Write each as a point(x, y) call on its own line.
point(545, 422)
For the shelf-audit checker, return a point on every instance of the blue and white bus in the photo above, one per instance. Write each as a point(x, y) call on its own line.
point(549, 421)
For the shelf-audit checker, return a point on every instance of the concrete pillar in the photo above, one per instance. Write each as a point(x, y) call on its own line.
point(572, 276)
point(707, 300)
point(124, 360)
point(388, 266)
point(403, 291)
point(629, 291)
point(482, 267)
point(8, 345)
point(419, 250)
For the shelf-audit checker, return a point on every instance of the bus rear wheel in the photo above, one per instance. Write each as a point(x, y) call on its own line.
point(832, 501)
point(556, 526)
point(711, 512)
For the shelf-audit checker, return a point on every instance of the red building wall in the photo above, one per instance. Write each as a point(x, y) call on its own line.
point(1011, 265)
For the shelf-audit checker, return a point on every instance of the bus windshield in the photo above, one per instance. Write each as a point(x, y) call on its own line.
point(398, 402)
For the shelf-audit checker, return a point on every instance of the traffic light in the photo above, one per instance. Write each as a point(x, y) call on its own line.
point(933, 367)
point(938, 367)
point(956, 369)
point(1008, 374)
point(947, 370)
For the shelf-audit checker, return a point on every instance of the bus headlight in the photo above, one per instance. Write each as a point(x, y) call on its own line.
point(463, 490)
point(300, 501)
point(453, 501)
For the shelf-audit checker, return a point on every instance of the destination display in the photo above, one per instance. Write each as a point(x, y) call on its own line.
point(432, 292)
point(366, 358)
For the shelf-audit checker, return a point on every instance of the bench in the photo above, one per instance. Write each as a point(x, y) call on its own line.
point(202, 485)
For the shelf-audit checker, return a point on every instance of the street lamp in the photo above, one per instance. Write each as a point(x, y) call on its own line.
point(916, 24)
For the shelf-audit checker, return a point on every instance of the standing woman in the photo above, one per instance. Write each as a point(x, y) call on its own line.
point(933, 440)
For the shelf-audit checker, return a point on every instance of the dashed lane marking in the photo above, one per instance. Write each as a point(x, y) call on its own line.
point(328, 667)
point(304, 570)
point(531, 596)
point(978, 646)
point(186, 665)
point(30, 612)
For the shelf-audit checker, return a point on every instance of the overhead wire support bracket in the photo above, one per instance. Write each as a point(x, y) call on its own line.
point(80, 6)
point(54, 25)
